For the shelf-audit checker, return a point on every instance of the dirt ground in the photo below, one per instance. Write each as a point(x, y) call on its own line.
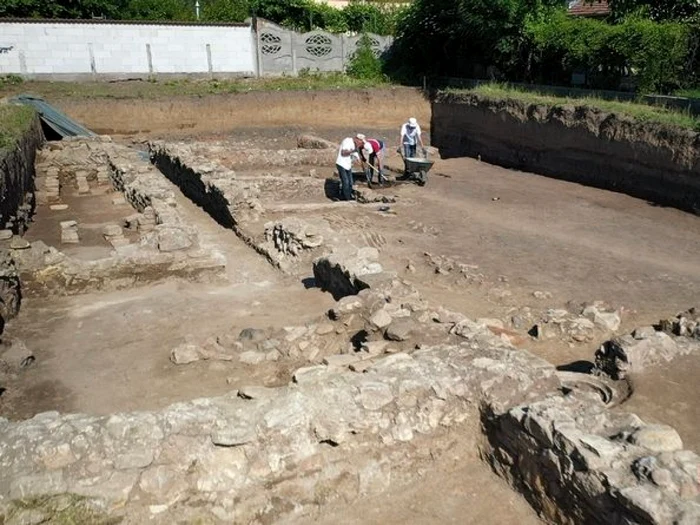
point(458, 489)
point(106, 352)
point(522, 233)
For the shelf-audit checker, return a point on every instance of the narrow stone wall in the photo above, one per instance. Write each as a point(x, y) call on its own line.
point(579, 144)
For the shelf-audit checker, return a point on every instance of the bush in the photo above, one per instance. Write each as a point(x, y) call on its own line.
point(654, 54)
point(364, 63)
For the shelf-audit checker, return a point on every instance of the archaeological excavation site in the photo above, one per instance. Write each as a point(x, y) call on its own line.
point(196, 329)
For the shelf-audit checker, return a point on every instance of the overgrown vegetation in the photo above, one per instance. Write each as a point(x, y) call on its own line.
point(147, 89)
point(14, 122)
point(638, 111)
point(654, 54)
point(644, 45)
point(304, 15)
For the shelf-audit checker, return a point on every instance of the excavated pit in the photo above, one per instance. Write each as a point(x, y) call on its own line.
point(196, 381)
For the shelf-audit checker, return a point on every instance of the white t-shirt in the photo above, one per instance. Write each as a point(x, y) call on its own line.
point(347, 145)
point(409, 136)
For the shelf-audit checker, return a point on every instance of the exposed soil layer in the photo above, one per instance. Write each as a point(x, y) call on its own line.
point(580, 144)
point(388, 107)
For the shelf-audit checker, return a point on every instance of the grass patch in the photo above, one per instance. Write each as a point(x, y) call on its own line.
point(689, 93)
point(64, 509)
point(14, 122)
point(151, 89)
point(639, 111)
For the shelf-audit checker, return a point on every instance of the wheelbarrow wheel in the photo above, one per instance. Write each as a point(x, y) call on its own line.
point(422, 178)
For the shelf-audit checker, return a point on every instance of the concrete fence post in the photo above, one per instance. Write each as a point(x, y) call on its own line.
point(342, 53)
point(256, 47)
point(150, 59)
point(93, 67)
point(210, 65)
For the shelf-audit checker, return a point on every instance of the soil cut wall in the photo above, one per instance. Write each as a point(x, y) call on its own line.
point(368, 108)
point(580, 144)
point(16, 208)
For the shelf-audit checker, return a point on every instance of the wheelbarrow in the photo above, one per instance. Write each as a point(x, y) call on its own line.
point(417, 168)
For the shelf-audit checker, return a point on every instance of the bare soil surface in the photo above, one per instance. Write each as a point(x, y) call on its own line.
point(92, 212)
point(107, 352)
point(458, 489)
point(669, 394)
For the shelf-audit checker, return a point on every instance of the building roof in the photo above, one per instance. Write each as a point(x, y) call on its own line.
point(590, 8)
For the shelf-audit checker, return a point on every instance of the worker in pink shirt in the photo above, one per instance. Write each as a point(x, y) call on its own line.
point(372, 152)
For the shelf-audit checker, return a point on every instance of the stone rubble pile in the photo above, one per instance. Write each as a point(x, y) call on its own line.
point(581, 325)
point(308, 141)
point(444, 265)
point(292, 235)
point(647, 347)
point(685, 324)
point(369, 196)
point(114, 235)
point(14, 356)
point(10, 289)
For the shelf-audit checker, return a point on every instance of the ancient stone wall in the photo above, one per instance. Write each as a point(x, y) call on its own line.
point(580, 144)
point(578, 462)
point(168, 246)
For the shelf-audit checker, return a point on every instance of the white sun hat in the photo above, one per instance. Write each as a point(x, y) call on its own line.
point(412, 122)
point(360, 136)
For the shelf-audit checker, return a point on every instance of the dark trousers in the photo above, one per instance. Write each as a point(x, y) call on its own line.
point(345, 183)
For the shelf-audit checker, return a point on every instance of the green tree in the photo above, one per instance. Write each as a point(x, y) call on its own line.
point(371, 18)
point(364, 63)
point(463, 37)
point(158, 10)
point(654, 54)
point(70, 9)
point(226, 10)
point(659, 10)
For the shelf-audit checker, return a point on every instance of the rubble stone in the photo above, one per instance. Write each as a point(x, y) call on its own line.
point(658, 438)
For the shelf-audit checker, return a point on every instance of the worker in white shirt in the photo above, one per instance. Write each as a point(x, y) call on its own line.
point(410, 138)
point(347, 153)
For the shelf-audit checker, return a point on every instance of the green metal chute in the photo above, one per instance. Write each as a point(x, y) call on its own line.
point(57, 121)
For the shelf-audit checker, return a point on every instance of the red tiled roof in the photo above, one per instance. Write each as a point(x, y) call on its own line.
point(590, 8)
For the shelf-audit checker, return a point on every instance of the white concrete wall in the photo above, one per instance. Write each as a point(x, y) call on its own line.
point(58, 49)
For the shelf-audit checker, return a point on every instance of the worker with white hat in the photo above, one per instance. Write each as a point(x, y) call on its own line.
point(410, 138)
